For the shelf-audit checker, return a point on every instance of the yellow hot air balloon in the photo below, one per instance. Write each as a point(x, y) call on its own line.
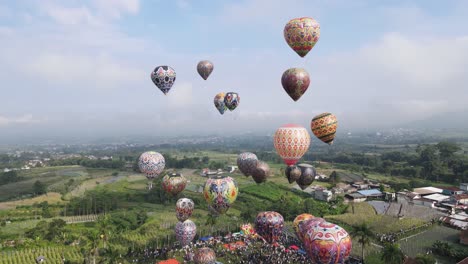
point(324, 127)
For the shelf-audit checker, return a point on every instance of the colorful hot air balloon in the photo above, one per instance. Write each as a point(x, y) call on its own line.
point(151, 163)
point(327, 243)
point(205, 255)
point(324, 127)
point(299, 219)
point(291, 142)
point(293, 173)
point(220, 193)
point(174, 183)
point(261, 172)
point(248, 230)
point(231, 100)
point(163, 77)
point(205, 68)
point(302, 34)
point(308, 174)
point(247, 162)
point(185, 232)
point(219, 103)
point(295, 82)
point(269, 225)
point(305, 225)
point(184, 209)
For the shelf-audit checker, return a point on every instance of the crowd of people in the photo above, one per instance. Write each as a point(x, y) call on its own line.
point(394, 237)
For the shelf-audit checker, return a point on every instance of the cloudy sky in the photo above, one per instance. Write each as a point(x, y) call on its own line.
point(83, 67)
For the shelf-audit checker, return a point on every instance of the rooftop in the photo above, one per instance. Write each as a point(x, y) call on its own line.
point(461, 197)
point(427, 190)
point(437, 197)
point(356, 195)
point(371, 192)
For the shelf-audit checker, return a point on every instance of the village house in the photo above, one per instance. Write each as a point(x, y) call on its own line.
point(231, 168)
point(371, 194)
point(464, 187)
point(360, 185)
point(355, 197)
point(323, 194)
point(452, 191)
point(460, 199)
point(431, 200)
point(423, 191)
point(459, 220)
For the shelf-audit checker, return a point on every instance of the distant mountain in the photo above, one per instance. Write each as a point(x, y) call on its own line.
point(453, 121)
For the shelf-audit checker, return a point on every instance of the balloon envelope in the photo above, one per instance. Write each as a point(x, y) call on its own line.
point(163, 77)
point(151, 163)
point(184, 209)
point(269, 225)
point(247, 162)
point(308, 174)
point(302, 34)
point(291, 142)
point(299, 219)
point(205, 68)
point(324, 127)
point(231, 100)
point(219, 103)
point(261, 172)
point(220, 192)
point(185, 232)
point(174, 183)
point(205, 255)
point(292, 173)
point(295, 82)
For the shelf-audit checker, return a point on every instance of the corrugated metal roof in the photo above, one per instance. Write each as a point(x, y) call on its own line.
point(437, 197)
point(370, 192)
point(427, 190)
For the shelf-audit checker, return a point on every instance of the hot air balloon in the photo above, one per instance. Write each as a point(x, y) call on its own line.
point(299, 219)
point(295, 82)
point(174, 183)
point(261, 172)
point(163, 77)
point(324, 127)
point(248, 230)
point(302, 34)
point(151, 163)
point(205, 68)
point(219, 103)
point(291, 142)
point(327, 243)
point(308, 224)
point(205, 255)
point(185, 232)
point(220, 193)
point(269, 225)
point(231, 100)
point(292, 173)
point(308, 174)
point(247, 162)
point(184, 209)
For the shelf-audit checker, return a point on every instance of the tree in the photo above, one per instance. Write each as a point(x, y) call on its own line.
point(447, 149)
point(364, 235)
point(425, 259)
point(9, 177)
point(39, 188)
point(392, 254)
point(382, 187)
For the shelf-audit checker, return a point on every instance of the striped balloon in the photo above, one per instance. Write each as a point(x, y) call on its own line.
point(291, 142)
point(324, 127)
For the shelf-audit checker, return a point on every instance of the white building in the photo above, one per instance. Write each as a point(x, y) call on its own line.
point(427, 191)
point(323, 194)
point(464, 187)
point(431, 200)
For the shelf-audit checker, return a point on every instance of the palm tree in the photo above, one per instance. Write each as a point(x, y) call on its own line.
point(364, 235)
point(425, 259)
point(392, 254)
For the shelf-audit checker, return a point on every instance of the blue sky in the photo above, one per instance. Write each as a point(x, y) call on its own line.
point(82, 67)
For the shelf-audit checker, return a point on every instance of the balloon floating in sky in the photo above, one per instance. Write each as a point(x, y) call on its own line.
point(231, 100)
point(174, 183)
point(295, 82)
point(151, 163)
point(184, 208)
point(308, 174)
point(261, 172)
point(205, 68)
point(302, 34)
point(292, 173)
point(205, 255)
point(247, 162)
point(269, 225)
point(291, 142)
point(220, 192)
point(185, 232)
point(324, 127)
point(163, 77)
point(219, 102)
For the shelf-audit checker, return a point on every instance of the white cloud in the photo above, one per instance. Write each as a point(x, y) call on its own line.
point(115, 8)
point(24, 119)
point(71, 15)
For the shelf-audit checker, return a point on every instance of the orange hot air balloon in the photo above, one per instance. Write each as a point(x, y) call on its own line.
point(324, 127)
point(291, 142)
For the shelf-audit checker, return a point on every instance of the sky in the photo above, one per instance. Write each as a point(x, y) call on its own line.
point(83, 67)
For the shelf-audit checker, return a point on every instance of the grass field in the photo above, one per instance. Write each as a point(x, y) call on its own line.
point(420, 243)
point(51, 197)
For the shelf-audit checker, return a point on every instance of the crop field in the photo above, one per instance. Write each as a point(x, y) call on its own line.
point(420, 243)
point(52, 255)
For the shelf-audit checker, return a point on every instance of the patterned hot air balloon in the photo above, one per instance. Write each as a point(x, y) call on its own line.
point(295, 82)
point(205, 255)
point(151, 163)
point(248, 230)
point(269, 225)
point(299, 219)
point(174, 183)
point(219, 103)
point(205, 68)
point(261, 172)
point(324, 127)
point(327, 243)
point(184, 209)
point(247, 162)
point(231, 100)
point(308, 224)
point(291, 142)
point(302, 34)
point(308, 174)
point(220, 193)
point(185, 232)
point(163, 77)
point(292, 173)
